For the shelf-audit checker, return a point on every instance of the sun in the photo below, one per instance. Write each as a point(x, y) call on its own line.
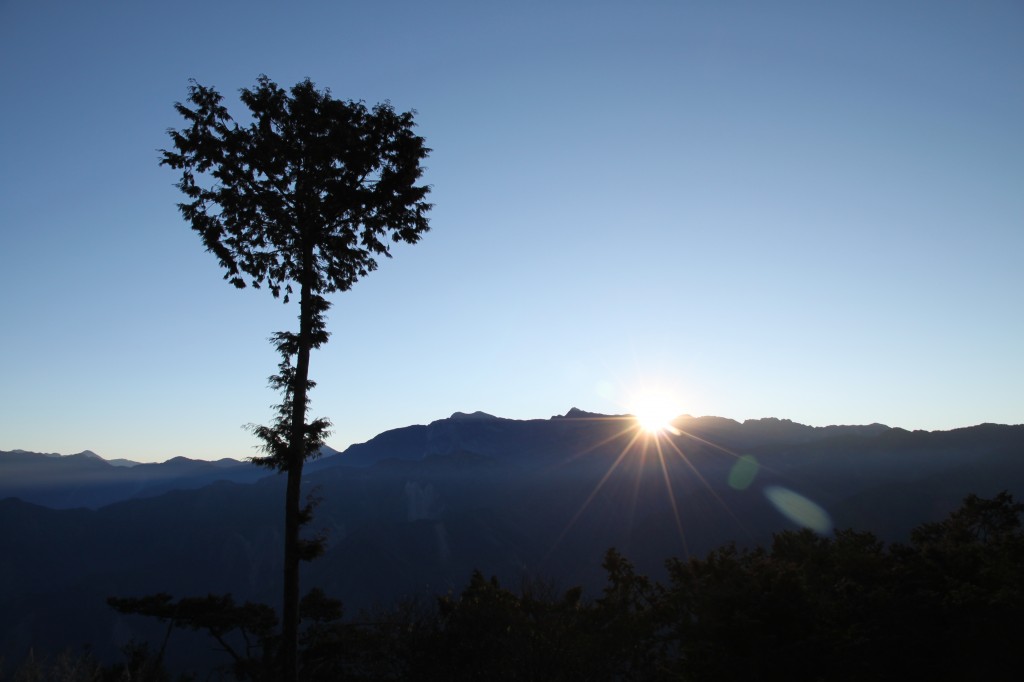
point(655, 413)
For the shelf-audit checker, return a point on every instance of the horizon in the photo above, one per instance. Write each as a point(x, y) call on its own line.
point(798, 209)
point(496, 416)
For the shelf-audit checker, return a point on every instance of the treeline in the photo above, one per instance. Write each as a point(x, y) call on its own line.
point(947, 605)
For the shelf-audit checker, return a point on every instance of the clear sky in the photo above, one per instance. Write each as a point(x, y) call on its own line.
point(806, 210)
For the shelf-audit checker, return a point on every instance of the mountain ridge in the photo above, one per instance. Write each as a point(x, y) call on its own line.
point(86, 479)
point(572, 413)
point(412, 512)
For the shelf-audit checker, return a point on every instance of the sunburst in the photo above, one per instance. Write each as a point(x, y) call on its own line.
point(655, 412)
point(651, 437)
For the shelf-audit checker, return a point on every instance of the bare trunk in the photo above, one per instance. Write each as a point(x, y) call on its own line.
point(290, 604)
point(292, 521)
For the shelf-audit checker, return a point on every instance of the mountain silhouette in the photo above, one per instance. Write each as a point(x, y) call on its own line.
point(414, 510)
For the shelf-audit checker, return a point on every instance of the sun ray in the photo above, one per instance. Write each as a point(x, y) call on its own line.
point(672, 498)
point(722, 449)
point(628, 426)
point(654, 434)
point(590, 498)
point(710, 488)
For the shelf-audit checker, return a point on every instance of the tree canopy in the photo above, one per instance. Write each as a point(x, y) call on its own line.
point(311, 191)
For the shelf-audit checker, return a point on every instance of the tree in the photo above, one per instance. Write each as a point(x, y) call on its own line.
point(242, 631)
point(304, 197)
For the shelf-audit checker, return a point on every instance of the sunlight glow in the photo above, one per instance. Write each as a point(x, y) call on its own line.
point(655, 412)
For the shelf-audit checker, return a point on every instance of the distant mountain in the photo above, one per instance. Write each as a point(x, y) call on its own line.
point(414, 510)
point(120, 462)
point(87, 480)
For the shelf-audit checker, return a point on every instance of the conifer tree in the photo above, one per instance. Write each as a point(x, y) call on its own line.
point(302, 200)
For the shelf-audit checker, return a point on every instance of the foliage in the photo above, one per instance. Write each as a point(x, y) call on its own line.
point(804, 608)
point(489, 632)
point(310, 192)
point(946, 606)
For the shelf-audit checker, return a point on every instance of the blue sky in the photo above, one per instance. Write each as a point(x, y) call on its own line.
point(804, 210)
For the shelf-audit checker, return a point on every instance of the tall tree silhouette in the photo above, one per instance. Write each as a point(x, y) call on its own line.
point(303, 198)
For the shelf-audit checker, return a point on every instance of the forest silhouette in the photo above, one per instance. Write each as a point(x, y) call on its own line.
point(945, 606)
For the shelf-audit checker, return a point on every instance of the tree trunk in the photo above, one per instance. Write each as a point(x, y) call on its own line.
point(292, 521)
point(290, 598)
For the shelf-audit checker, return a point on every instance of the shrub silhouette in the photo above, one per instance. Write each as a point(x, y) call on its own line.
point(946, 606)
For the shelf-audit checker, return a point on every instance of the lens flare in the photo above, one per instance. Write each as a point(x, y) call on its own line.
point(743, 472)
point(799, 509)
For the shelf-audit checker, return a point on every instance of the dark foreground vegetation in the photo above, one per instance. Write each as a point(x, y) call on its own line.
point(946, 605)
